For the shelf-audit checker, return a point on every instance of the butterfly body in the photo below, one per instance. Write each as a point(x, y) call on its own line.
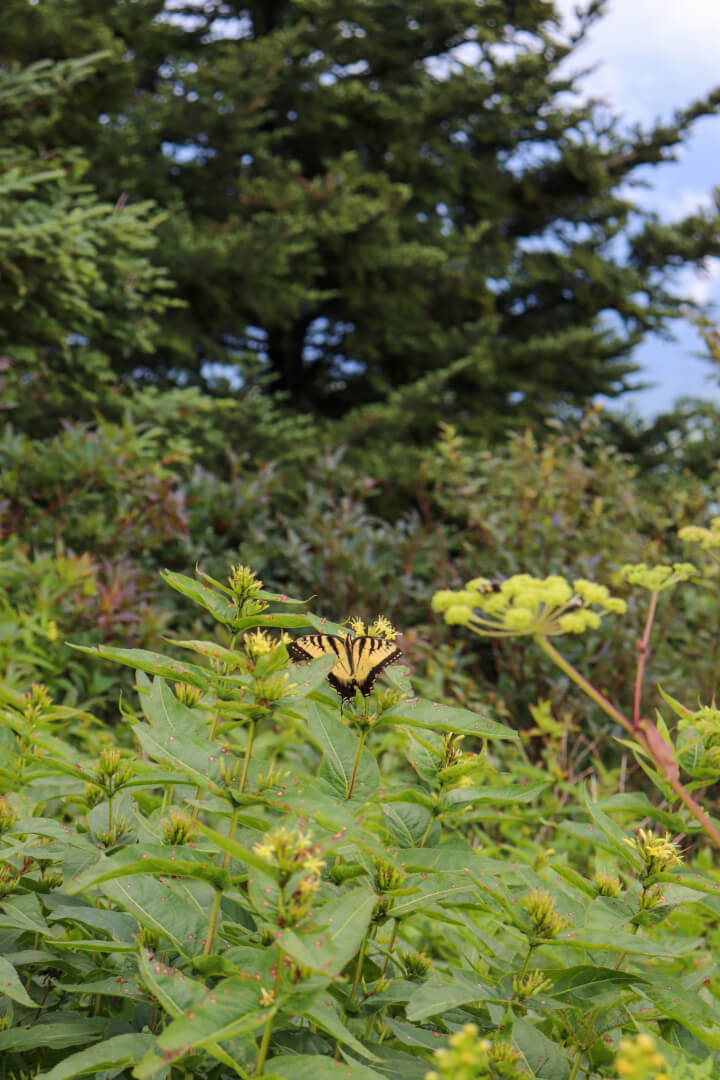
point(359, 660)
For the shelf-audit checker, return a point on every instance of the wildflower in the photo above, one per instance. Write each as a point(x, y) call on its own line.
point(178, 829)
point(468, 1057)
point(357, 626)
point(531, 984)
point(656, 578)
point(638, 1059)
point(547, 922)
point(259, 643)
point(247, 587)
point(417, 964)
point(382, 628)
point(607, 884)
point(188, 695)
point(657, 852)
point(708, 539)
point(8, 816)
point(526, 605)
point(290, 851)
point(267, 997)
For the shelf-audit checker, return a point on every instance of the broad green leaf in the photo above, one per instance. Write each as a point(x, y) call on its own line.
point(153, 663)
point(611, 939)
point(408, 823)
point(325, 1013)
point(221, 605)
point(340, 928)
point(53, 1033)
point(340, 747)
point(157, 905)
point(199, 761)
point(315, 1067)
point(229, 1009)
point(142, 859)
point(177, 993)
point(673, 999)
point(587, 986)
point(498, 796)
point(120, 1052)
point(11, 986)
point(543, 1056)
point(420, 713)
point(448, 991)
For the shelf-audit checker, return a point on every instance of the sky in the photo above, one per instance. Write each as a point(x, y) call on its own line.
point(652, 57)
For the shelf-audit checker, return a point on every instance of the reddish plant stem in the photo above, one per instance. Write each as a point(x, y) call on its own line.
point(607, 706)
point(642, 648)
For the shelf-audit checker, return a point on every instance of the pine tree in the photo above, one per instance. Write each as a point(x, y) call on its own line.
point(403, 210)
point(77, 286)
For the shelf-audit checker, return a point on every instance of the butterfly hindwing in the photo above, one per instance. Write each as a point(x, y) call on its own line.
point(360, 660)
point(312, 646)
point(369, 658)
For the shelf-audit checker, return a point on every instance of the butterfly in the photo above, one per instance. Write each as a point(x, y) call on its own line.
point(360, 660)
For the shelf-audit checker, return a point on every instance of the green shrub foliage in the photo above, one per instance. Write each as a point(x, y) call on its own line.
point(239, 880)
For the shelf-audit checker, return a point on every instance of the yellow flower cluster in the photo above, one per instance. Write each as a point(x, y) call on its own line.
point(246, 586)
point(656, 578)
point(469, 1058)
point(706, 538)
point(526, 605)
point(380, 627)
point(546, 920)
point(289, 850)
point(657, 852)
point(638, 1059)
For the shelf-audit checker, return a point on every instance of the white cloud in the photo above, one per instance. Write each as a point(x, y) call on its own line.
point(654, 54)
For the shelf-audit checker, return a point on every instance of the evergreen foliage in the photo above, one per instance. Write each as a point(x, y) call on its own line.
point(77, 286)
point(364, 196)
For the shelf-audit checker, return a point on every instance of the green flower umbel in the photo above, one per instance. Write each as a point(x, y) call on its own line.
point(527, 605)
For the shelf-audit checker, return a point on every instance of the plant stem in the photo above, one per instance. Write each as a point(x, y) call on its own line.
point(356, 763)
point(576, 1063)
point(248, 752)
point(360, 962)
point(642, 647)
point(523, 971)
point(267, 1032)
point(396, 923)
point(585, 686)
point(217, 899)
point(607, 706)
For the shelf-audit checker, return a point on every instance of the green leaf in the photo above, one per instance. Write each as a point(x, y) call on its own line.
point(221, 606)
point(315, 1067)
point(153, 663)
point(448, 991)
point(511, 793)
point(420, 713)
point(407, 822)
point(143, 859)
point(673, 999)
point(11, 986)
point(325, 1013)
point(53, 1033)
point(341, 926)
point(230, 1009)
point(544, 1057)
point(199, 761)
point(158, 906)
point(586, 986)
point(340, 746)
point(119, 1052)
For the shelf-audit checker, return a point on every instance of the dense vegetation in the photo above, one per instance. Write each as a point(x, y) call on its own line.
point(313, 299)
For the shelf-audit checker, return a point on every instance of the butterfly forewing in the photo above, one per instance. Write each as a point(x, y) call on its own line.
point(360, 660)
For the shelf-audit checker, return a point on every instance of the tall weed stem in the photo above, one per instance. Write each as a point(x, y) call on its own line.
point(607, 706)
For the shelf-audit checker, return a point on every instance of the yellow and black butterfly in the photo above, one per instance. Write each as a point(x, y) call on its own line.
point(360, 660)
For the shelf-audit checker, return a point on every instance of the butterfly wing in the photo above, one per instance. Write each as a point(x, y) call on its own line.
point(311, 646)
point(369, 656)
